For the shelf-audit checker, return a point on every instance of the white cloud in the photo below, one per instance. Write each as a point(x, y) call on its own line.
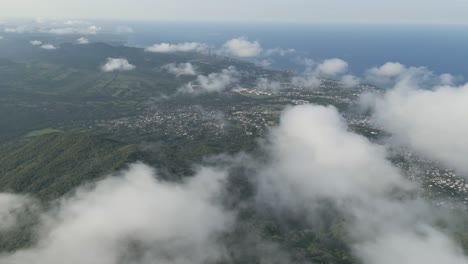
point(429, 247)
point(389, 74)
point(82, 41)
point(90, 30)
point(214, 82)
point(18, 29)
point(332, 67)
point(447, 79)
point(314, 72)
point(315, 155)
point(180, 69)
point(117, 64)
point(389, 69)
point(430, 121)
point(1, 37)
point(181, 47)
point(134, 218)
point(242, 47)
point(349, 81)
point(11, 206)
point(35, 42)
point(268, 85)
point(309, 81)
point(48, 47)
point(279, 52)
point(314, 160)
point(264, 63)
point(76, 22)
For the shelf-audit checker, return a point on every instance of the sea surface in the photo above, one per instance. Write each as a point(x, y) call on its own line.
point(443, 49)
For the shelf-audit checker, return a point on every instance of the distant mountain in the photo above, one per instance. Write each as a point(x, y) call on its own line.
point(51, 165)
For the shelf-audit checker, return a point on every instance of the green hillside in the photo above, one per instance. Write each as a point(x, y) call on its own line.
point(51, 165)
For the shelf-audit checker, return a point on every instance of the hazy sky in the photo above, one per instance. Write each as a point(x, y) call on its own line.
point(393, 11)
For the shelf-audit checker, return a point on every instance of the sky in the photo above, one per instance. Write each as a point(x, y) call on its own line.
point(317, 11)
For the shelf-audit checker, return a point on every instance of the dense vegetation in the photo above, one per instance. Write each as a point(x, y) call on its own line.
point(51, 165)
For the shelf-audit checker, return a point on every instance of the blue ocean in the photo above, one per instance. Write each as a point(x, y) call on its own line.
point(443, 49)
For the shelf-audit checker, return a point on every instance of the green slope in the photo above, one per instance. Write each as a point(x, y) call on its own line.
point(51, 165)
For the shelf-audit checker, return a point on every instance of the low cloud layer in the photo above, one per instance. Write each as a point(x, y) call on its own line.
point(134, 218)
point(181, 47)
point(242, 47)
point(214, 82)
point(180, 69)
point(117, 64)
point(430, 121)
point(11, 206)
point(316, 160)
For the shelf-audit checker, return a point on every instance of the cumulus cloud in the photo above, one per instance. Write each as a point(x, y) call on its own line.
point(314, 159)
point(332, 67)
point(117, 64)
point(447, 79)
point(82, 41)
point(316, 154)
point(134, 218)
point(214, 82)
point(242, 47)
point(35, 42)
point(430, 121)
point(181, 47)
point(180, 69)
point(389, 69)
point(329, 68)
point(48, 47)
point(390, 73)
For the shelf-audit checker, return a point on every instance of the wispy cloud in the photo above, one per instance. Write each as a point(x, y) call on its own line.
point(214, 82)
point(82, 41)
point(35, 42)
point(180, 47)
point(124, 30)
point(90, 30)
